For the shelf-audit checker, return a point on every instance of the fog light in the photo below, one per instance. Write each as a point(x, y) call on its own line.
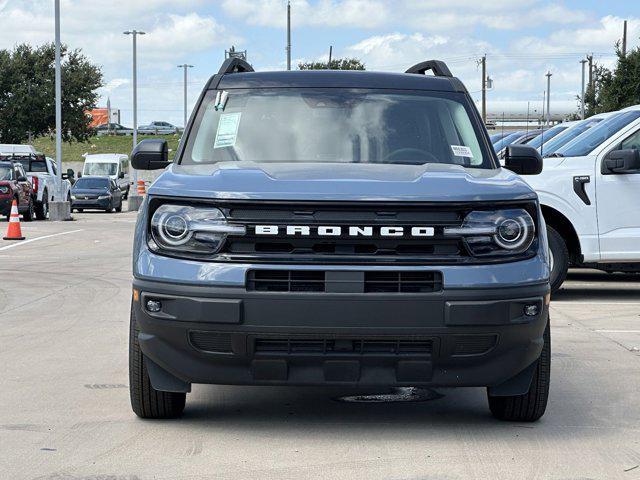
point(531, 310)
point(154, 306)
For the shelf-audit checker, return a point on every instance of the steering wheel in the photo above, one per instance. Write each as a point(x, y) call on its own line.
point(409, 150)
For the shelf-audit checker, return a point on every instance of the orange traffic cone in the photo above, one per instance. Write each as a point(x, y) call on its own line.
point(141, 188)
point(14, 232)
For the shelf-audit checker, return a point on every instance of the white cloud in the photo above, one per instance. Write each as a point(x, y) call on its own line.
point(331, 13)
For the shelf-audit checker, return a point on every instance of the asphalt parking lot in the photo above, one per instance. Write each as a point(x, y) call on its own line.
point(65, 414)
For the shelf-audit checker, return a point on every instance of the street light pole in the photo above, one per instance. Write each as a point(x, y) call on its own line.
point(185, 66)
point(583, 62)
point(134, 199)
point(60, 208)
point(548, 75)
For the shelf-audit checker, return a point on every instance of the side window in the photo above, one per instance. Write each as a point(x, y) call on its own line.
point(53, 167)
point(632, 142)
point(21, 172)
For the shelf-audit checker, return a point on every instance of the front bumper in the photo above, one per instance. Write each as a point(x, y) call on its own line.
point(99, 204)
point(456, 337)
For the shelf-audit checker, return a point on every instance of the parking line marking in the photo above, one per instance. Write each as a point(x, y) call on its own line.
point(568, 302)
point(617, 331)
point(7, 247)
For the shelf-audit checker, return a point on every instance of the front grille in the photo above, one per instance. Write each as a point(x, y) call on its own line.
point(285, 281)
point(344, 346)
point(344, 248)
point(344, 282)
point(402, 282)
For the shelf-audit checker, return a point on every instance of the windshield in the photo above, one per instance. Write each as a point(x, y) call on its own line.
point(336, 126)
point(508, 140)
point(100, 169)
point(545, 136)
point(91, 183)
point(592, 138)
point(568, 135)
point(34, 166)
point(6, 173)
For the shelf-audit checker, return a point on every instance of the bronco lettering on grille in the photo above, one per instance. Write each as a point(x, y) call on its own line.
point(350, 231)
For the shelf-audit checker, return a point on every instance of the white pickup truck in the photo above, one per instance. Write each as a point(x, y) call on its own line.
point(41, 172)
point(590, 197)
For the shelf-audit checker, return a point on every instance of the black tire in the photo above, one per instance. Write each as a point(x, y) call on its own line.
point(146, 401)
point(560, 256)
point(42, 208)
point(119, 209)
point(532, 405)
point(126, 194)
point(30, 214)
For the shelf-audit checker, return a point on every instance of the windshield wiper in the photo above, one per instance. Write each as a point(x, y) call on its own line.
point(554, 155)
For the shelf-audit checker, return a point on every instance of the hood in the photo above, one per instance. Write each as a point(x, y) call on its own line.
point(342, 181)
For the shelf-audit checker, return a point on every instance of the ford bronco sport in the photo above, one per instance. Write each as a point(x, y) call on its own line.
point(339, 228)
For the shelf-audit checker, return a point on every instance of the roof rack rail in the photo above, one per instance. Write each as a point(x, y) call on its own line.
point(438, 67)
point(235, 65)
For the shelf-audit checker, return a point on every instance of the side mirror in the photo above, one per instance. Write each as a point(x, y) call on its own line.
point(150, 154)
point(79, 174)
point(71, 173)
point(22, 179)
point(621, 161)
point(121, 175)
point(523, 160)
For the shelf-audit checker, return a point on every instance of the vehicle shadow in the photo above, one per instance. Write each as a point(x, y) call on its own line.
point(594, 285)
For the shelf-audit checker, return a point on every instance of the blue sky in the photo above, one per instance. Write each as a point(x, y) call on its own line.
point(522, 39)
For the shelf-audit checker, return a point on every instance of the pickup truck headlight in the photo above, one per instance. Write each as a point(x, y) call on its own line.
point(496, 232)
point(191, 230)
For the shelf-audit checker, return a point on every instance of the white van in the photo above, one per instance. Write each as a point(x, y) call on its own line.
point(112, 165)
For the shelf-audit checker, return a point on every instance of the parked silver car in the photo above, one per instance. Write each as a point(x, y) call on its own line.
point(158, 128)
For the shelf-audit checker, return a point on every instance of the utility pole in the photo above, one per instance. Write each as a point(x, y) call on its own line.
point(135, 200)
point(548, 75)
point(60, 208)
point(624, 39)
point(185, 66)
point(330, 54)
point(590, 60)
point(288, 35)
point(583, 62)
point(483, 62)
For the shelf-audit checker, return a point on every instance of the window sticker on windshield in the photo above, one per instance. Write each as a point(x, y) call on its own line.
point(461, 151)
point(227, 130)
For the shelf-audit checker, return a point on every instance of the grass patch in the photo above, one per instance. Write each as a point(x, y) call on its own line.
point(72, 152)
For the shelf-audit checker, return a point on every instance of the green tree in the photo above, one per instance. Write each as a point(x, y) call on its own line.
point(593, 94)
point(623, 88)
point(336, 64)
point(27, 93)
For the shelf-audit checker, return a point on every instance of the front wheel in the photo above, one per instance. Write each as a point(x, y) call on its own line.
point(30, 214)
point(532, 405)
point(146, 401)
point(42, 209)
point(559, 259)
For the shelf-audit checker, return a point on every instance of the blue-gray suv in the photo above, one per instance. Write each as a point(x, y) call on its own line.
point(339, 228)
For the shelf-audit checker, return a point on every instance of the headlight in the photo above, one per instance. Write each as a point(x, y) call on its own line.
point(198, 230)
point(4, 189)
point(104, 197)
point(498, 232)
point(73, 197)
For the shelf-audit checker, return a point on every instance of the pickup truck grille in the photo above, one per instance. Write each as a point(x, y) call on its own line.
point(344, 248)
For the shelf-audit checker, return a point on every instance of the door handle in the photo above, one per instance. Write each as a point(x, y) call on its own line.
point(578, 187)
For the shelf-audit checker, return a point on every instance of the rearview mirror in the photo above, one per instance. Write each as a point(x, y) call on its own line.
point(121, 175)
point(621, 161)
point(150, 154)
point(523, 160)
